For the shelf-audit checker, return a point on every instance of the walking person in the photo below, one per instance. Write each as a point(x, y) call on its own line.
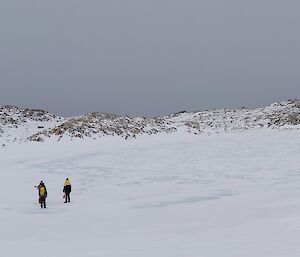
point(42, 194)
point(67, 190)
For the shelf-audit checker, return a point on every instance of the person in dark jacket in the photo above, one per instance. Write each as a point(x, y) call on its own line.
point(67, 190)
point(42, 194)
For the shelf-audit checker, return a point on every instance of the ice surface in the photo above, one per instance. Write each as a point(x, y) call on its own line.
point(176, 195)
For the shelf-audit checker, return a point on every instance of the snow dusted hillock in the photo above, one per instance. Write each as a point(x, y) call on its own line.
point(18, 124)
point(95, 125)
point(36, 125)
point(282, 115)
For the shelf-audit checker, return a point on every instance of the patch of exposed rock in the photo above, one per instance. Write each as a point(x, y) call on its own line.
point(95, 125)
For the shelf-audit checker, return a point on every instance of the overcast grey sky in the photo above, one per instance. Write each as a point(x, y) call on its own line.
point(148, 57)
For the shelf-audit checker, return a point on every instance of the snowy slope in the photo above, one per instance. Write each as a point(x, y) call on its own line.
point(96, 125)
point(17, 124)
point(280, 115)
point(283, 115)
point(168, 195)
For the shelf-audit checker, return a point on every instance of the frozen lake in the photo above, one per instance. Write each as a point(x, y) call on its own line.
point(229, 195)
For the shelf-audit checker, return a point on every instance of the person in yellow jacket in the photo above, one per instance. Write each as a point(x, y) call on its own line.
point(67, 190)
point(42, 194)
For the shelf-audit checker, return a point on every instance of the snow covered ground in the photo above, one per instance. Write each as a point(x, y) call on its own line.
point(168, 195)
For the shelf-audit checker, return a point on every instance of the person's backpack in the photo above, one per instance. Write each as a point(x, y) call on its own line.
point(42, 191)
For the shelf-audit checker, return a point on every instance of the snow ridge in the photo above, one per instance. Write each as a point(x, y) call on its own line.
point(37, 125)
point(282, 115)
point(95, 125)
point(17, 124)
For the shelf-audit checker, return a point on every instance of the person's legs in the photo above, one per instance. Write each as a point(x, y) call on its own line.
point(43, 202)
point(68, 196)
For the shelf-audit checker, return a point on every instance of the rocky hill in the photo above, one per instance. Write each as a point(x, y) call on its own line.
point(282, 115)
point(17, 124)
point(37, 125)
point(95, 125)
